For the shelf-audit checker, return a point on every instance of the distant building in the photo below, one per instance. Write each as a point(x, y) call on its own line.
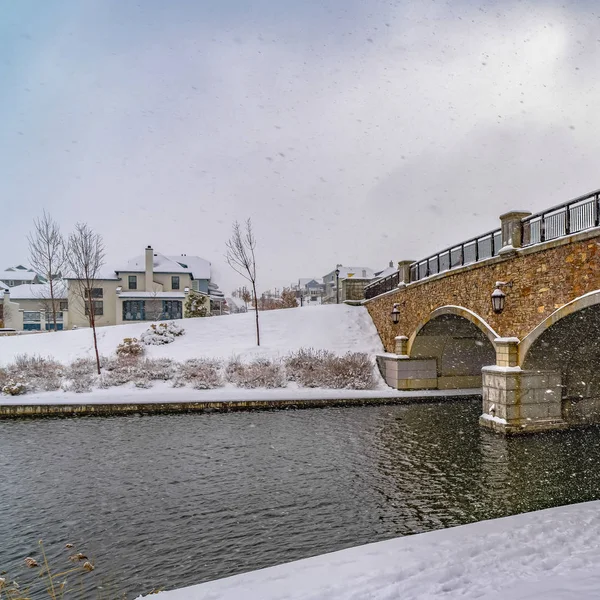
point(364, 274)
point(27, 307)
point(19, 275)
point(311, 290)
point(149, 287)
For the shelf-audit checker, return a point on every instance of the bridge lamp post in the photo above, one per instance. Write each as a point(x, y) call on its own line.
point(395, 314)
point(337, 286)
point(499, 297)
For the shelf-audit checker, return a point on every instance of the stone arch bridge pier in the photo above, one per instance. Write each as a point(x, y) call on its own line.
point(515, 311)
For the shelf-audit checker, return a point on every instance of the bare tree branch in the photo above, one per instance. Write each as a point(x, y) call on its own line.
point(241, 258)
point(47, 257)
point(85, 258)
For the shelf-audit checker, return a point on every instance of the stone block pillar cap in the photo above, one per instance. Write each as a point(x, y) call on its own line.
point(401, 338)
point(515, 214)
point(507, 340)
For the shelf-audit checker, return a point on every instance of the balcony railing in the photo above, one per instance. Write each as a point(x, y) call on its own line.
point(571, 217)
point(386, 284)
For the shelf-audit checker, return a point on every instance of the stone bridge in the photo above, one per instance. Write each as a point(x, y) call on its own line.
point(537, 357)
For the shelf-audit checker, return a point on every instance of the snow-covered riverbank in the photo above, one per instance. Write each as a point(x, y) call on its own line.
point(552, 554)
point(338, 328)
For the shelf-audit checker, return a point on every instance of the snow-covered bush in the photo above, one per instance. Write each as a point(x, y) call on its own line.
point(159, 369)
point(260, 373)
point(352, 371)
point(36, 372)
point(161, 333)
point(200, 373)
point(81, 367)
point(321, 368)
point(82, 384)
point(308, 367)
point(130, 347)
point(14, 387)
point(120, 370)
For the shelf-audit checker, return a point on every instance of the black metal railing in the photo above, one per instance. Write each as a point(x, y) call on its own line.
point(566, 219)
point(471, 251)
point(386, 284)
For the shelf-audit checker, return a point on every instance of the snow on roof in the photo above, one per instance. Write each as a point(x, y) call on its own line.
point(196, 266)
point(357, 272)
point(14, 275)
point(37, 291)
point(386, 272)
point(199, 267)
point(303, 282)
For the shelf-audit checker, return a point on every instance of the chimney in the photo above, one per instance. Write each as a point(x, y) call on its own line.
point(391, 263)
point(149, 269)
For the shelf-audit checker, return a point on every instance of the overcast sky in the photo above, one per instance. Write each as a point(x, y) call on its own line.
point(353, 132)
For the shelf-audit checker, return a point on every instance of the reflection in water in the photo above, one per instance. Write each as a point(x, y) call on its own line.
point(180, 499)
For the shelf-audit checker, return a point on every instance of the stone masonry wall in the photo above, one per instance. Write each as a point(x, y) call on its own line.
point(353, 289)
point(543, 280)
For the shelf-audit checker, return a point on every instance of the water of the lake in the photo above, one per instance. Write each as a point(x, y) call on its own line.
point(168, 501)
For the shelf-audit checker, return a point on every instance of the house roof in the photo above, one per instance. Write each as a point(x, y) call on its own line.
point(386, 272)
point(194, 265)
point(37, 291)
point(303, 282)
point(347, 272)
point(18, 275)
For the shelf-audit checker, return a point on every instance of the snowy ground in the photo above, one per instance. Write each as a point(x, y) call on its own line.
point(166, 393)
point(552, 554)
point(339, 328)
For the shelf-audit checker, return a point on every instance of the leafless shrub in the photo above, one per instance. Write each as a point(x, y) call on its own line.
point(159, 369)
point(80, 367)
point(260, 373)
point(40, 374)
point(200, 373)
point(82, 384)
point(321, 368)
point(130, 347)
point(121, 370)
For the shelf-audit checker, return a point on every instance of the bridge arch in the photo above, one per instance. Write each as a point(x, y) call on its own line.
point(458, 311)
point(571, 308)
point(459, 341)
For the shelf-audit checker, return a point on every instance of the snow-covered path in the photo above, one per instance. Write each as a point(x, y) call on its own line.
point(552, 554)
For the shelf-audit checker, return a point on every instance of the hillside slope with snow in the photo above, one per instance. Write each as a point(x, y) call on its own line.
point(339, 328)
point(550, 554)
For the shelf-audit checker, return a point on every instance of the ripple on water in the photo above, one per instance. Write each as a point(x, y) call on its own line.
point(179, 499)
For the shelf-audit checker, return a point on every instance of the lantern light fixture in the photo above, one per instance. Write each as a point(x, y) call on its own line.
point(499, 297)
point(395, 314)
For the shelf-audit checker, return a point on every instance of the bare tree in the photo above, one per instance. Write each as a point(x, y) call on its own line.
point(85, 257)
point(241, 258)
point(47, 257)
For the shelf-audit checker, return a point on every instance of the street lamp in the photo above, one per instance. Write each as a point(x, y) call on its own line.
point(499, 297)
point(337, 286)
point(395, 314)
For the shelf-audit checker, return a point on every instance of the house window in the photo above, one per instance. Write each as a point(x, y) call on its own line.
point(195, 285)
point(175, 282)
point(171, 309)
point(63, 305)
point(31, 315)
point(133, 282)
point(96, 293)
point(134, 310)
point(98, 308)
